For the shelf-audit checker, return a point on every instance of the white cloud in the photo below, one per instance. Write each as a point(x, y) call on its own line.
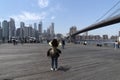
point(43, 3)
point(53, 17)
point(28, 16)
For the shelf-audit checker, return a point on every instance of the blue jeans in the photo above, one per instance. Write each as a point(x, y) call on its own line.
point(54, 62)
point(63, 46)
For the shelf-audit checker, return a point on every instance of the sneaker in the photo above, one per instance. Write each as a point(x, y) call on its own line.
point(52, 69)
point(56, 69)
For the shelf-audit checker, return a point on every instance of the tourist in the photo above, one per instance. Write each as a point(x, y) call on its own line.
point(54, 53)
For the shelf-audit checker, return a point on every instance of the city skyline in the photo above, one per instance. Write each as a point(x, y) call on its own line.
point(64, 13)
point(39, 28)
point(8, 31)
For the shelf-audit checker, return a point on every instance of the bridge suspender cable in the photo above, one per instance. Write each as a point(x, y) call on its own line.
point(105, 22)
point(108, 11)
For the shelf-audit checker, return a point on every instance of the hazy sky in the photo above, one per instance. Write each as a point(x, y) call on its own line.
point(64, 13)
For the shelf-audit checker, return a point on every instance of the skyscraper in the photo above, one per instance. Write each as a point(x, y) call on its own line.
point(52, 33)
point(0, 24)
point(35, 26)
point(5, 27)
point(30, 31)
point(22, 29)
point(0, 32)
point(18, 32)
point(73, 29)
point(40, 28)
point(35, 31)
point(12, 30)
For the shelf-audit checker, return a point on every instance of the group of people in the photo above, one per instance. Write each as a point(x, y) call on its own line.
point(54, 53)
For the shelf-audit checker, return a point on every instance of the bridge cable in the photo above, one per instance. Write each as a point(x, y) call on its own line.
point(108, 11)
point(114, 13)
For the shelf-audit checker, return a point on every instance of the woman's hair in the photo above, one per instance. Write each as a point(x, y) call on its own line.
point(55, 43)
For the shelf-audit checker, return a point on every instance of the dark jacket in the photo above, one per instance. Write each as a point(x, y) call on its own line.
point(56, 54)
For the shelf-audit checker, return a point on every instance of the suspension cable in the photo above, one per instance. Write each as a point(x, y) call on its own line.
point(108, 11)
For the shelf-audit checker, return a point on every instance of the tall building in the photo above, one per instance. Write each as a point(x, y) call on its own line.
point(12, 30)
point(40, 28)
point(0, 25)
point(22, 29)
point(18, 32)
point(35, 26)
point(30, 31)
point(48, 31)
point(52, 33)
point(0, 32)
point(5, 27)
point(35, 31)
point(22, 24)
point(73, 29)
point(26, 31)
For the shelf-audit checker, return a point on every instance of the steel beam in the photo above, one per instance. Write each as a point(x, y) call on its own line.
point(103, 23)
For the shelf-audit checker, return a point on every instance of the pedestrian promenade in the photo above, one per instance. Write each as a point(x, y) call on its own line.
point(77, 62)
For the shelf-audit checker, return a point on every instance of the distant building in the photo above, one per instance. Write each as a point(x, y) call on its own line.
point(35, 31)
point(5, 27)
point(52, 33)
point(8, 31)
point(97, 37)
point(45, 35)
point(18, 32)
point(26, 31)
point(12, 30)
point(86, 33)
point(48, 34)
point(0, 25)
point(48, 31)
point(35, 26)
point(30, 31)
point(114, 38)
point(22, 29)
point(0, 32)
point(105, 37)
point(59, 36)
point(73, 29)
point(40, 28)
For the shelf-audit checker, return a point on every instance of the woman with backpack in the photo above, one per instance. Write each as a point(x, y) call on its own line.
point(54, 53)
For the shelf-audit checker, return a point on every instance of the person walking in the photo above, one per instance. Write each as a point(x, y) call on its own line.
point(116, 45)
point(63, 43)
point(54, 53)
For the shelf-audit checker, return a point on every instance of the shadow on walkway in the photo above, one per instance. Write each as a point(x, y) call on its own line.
point(64, 68)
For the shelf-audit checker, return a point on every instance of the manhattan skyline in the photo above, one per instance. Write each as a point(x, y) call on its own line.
point(64, 13)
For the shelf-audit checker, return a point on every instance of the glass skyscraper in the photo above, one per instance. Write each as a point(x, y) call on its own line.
point(5, 27)
point(12, 30)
